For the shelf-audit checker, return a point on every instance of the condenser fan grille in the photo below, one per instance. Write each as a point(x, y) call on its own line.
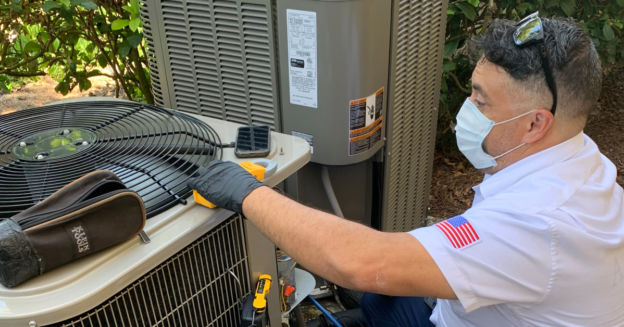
point(152, 150)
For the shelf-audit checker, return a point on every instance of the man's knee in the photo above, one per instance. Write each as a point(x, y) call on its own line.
point(375, 307)
point(383, 310)
point(372, 303)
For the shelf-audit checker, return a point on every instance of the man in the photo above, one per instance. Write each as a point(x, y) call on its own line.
point(542, 244)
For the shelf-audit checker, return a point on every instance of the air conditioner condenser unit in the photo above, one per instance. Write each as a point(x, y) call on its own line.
point(198, 262)
point(358, 79)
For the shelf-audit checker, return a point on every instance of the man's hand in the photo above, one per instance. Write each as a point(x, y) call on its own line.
point(224, 183)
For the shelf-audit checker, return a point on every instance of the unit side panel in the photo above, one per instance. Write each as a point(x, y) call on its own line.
point(219, 59)
point(417, 40)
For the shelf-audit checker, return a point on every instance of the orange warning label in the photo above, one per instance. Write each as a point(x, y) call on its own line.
point(365, 122)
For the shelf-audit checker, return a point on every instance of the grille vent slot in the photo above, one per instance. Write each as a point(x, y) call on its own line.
point(418, 34)
point(151, 57)
point(194, 287)
point(221, 59)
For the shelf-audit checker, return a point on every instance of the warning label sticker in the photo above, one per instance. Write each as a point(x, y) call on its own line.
point(365, 122)
point(302, 65)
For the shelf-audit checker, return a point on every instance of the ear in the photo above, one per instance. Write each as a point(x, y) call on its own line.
point(541, 122)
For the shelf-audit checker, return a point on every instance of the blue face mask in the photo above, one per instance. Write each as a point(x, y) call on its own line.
point(472, 128)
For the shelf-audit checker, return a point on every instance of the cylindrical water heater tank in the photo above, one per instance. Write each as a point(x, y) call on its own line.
point(333, 61)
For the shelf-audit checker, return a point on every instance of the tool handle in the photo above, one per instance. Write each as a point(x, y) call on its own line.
point(262, 289)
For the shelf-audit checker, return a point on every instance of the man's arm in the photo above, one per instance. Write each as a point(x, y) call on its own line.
point(346, 253)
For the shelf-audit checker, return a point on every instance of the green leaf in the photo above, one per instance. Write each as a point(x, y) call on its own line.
point(524, 8)
point(55, 44)
point(135, 6)
point(5, 84)
point(134, 23)
point(607, 32)
point(101, 58)
point(133, 11)
point(467, 10)
point(14, 6)
point(620, 3)
point(100, 23)
point(56, 72)
point(92, 73)
point(84, 84)
point(33, 31)
point(81, 44)
point(449, 66)
point(474, 3)
point(32, 46)
point(88, 5)
point(568, 7)
point(134, 39)
point(450, 47)
point(119, 24)
point(124, 49)
point(551, 3)
point(45, 37)
point(67, 15)
point(62, 87)
point(90, 47)
point(132, 8)
point(49, 5)
point(451, 12)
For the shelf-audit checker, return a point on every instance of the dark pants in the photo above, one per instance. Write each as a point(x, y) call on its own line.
point(395, 311)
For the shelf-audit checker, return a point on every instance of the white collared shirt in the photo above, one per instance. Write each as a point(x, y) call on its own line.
point(548, 244)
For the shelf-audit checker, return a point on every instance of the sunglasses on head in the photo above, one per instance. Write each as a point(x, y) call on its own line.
point(531, 31)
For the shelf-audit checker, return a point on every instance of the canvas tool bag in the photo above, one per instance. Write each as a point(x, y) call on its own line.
point(90, 214)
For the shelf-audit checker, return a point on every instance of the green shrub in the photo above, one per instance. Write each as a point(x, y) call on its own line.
point(74, 40)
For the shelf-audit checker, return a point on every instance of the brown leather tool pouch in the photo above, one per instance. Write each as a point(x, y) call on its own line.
point(90, 214)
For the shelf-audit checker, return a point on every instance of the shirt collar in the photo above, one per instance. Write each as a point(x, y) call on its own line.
point(541, 161)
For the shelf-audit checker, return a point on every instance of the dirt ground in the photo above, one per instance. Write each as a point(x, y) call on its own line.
point(453, 177)
point(42, 92)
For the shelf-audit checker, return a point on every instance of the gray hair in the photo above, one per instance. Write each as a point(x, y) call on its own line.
point(572, 58)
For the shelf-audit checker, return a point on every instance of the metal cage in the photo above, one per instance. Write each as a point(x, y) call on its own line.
point(199, 286)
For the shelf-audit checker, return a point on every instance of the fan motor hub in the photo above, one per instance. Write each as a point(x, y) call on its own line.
point(54, 144)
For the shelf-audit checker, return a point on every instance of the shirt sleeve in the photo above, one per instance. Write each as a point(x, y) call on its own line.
point(490, 258)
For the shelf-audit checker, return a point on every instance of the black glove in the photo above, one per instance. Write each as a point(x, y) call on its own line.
point(224, 183)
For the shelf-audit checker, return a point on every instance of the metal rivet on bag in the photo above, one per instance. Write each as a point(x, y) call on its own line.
point(22, 144)
point(32, 323)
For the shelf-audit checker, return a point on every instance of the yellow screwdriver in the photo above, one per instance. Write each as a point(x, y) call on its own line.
point(262, 290)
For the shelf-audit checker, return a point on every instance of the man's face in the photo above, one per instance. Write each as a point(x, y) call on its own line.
point(493, 93)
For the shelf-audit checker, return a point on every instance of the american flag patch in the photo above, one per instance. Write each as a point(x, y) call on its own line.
point(459, 231)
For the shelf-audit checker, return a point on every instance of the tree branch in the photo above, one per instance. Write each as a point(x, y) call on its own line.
point(24, 74)
point(458, 83)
